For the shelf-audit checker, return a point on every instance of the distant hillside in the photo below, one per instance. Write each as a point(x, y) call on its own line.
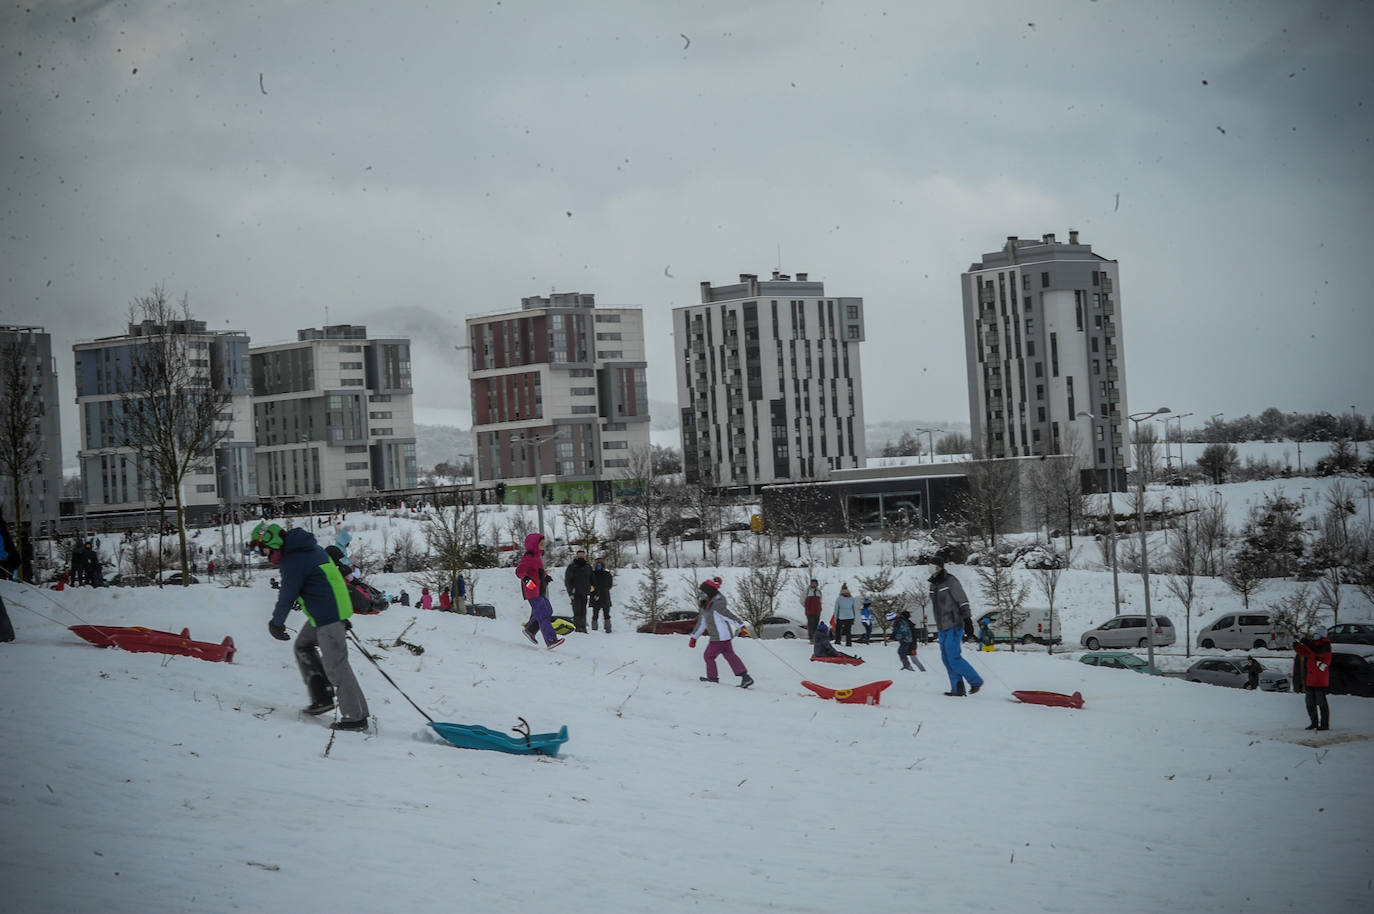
point(440, 443)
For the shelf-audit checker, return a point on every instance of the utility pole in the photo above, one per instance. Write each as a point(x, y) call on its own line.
point(1111, 506)
point(1137, 418)
point(537, 442)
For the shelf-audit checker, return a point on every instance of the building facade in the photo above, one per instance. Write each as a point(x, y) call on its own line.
point(333, 416)
point(113, 481)
point(1043, 342)
point(558, 391)
point(768, 382)
point(27, 351)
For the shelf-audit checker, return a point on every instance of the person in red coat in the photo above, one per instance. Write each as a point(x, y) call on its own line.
point(1316, 654)
point(811, 604)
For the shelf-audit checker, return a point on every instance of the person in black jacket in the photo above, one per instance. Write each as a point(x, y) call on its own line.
point(602, 579)
point(577, 580)
point(311, 582)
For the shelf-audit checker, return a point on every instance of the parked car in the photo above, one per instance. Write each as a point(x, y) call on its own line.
point(1235, 674)
point(1352, 669)
point(173, 579)
point(1128, 631)
point(1034, 629)
point(676, 622)
point(1117, 660)
point(1244, 631)
point(485, 610)
point(778, 627)
point(131, 580)
point(1351, 633)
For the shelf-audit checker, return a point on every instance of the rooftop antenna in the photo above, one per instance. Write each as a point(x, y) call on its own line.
point(326, 315)
point(779, 266)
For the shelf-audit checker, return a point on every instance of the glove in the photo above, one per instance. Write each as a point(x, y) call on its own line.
point(278, 631)
point(743, 631)
point(968, 628)
point(691, 642)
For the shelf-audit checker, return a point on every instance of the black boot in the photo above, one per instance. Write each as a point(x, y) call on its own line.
point(710, 679)
point(958, 692)
point(745, 680)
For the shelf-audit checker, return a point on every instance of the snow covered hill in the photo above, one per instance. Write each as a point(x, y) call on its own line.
point(138, 782)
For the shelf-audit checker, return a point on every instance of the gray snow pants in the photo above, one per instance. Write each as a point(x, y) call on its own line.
point(323, 652)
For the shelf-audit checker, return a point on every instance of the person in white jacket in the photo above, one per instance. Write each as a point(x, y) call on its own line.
point(719, 624)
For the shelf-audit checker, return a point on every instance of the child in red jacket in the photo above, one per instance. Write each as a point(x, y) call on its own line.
point(1316, 654)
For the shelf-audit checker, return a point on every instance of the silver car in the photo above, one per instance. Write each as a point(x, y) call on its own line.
point(1236, 674)
point(1128, 631)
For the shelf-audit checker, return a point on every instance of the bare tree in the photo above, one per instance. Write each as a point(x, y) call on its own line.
point(917, 599)
point(1185, 562)
point(1047, 576)
point(1212, 535)
point(650, 601)
point(1007, 596)
point(579, 524)
point(877, 587)
point(757, 593)
point(20, 439)
point(448, 533)
point(640, 502)
point(703, 502)
point(173, 414)
point(991, 497)
point(1245, 574)
point(1146, 453)
point(1329, 591)
point(1296, 613)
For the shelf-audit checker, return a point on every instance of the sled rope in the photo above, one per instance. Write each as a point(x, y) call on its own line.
point(760, 643)
point(42, 592)
point(360, 647)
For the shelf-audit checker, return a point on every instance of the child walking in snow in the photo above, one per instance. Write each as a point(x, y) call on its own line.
point(534, 585)
point(720, 624)
point(904, 631)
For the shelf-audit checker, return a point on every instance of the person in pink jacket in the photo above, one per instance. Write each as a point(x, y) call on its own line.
point(534, 586)
point(426, 599)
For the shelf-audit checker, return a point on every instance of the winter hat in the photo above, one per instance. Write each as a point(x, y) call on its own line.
point(844, 589)
point(1319, 631)
point(867, 601)
point(710, 585)
point(892, 617)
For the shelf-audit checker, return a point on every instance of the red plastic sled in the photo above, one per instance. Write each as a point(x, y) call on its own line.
point(867, 694)
point(850, 661)
point(136, 639)
point(1053, 699)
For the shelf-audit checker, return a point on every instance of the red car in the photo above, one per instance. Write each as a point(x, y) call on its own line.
point(677, 622)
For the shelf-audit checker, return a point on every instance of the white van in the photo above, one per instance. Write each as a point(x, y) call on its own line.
point(1034, 629)
point(1244, 631)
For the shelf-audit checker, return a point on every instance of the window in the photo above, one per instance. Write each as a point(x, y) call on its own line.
point(1030, 349)
point(350, 366)
point(356, 465)
point(584, 410)
point(1025, 284)
point(351, 382)
point(379, 398)
point(1039, 369)
point(853, 332)
point(350, 349)
point(614, 445)
point(1044, 280)
point(608, 336)
point(582, 391)
point(358, 483)
point(851, 312)
point(379, 415)
point(206, 488)
point(1040, 414)
point(609, 354)
point(615, 462)
point(355, 449)
point(613, 427)
point(1054, 354)
point(608, 318)
point(382, 432)
point(1097, 366)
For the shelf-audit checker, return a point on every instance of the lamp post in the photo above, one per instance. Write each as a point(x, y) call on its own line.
point(1138, 418)
point(930, 435)
point(537, 441)
point(310, 481)
point(472, 458)
point(1111, 506)
point(1167, 453)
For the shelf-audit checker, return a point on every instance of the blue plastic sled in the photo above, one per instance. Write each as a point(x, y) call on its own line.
point(471, 736)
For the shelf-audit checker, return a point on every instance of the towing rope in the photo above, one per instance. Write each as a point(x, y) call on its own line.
point(387, 677)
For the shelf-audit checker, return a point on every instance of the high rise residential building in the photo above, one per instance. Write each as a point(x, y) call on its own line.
point(559, 391)
point(333, 415)
point(768, 382)
point(1042, 334)
point(28, 352)
point(113, 480)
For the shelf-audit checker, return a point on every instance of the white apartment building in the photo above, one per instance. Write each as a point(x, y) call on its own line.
point(29, 350)
point(559, 390)
point(114, 484)
point(1042, 334)
point(768, 382)
point(333, 415)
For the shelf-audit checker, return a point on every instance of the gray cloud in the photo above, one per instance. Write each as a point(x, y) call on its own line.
point(411, 165)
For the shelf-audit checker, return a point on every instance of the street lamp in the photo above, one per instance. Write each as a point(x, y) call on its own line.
point(310, 481)
point(1111, 505)
point(1168, 457)
point(930, 435)
point(537, 441)
point(1138, 418)
point(472, 463)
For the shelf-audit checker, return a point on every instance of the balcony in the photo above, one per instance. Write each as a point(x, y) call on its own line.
point(1114, 395)
point(1109, 328)
point(1108, 306)
point(1112, 353)
point(1113, 374)
point(991, 337)
point(987, 295)
point(1106, 283)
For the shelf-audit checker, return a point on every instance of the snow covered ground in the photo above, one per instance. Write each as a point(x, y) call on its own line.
point(138, 782)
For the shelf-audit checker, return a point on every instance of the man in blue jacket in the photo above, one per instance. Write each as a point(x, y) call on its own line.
point(312, 582)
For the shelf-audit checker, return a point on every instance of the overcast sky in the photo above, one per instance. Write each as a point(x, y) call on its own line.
point(404, 165)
